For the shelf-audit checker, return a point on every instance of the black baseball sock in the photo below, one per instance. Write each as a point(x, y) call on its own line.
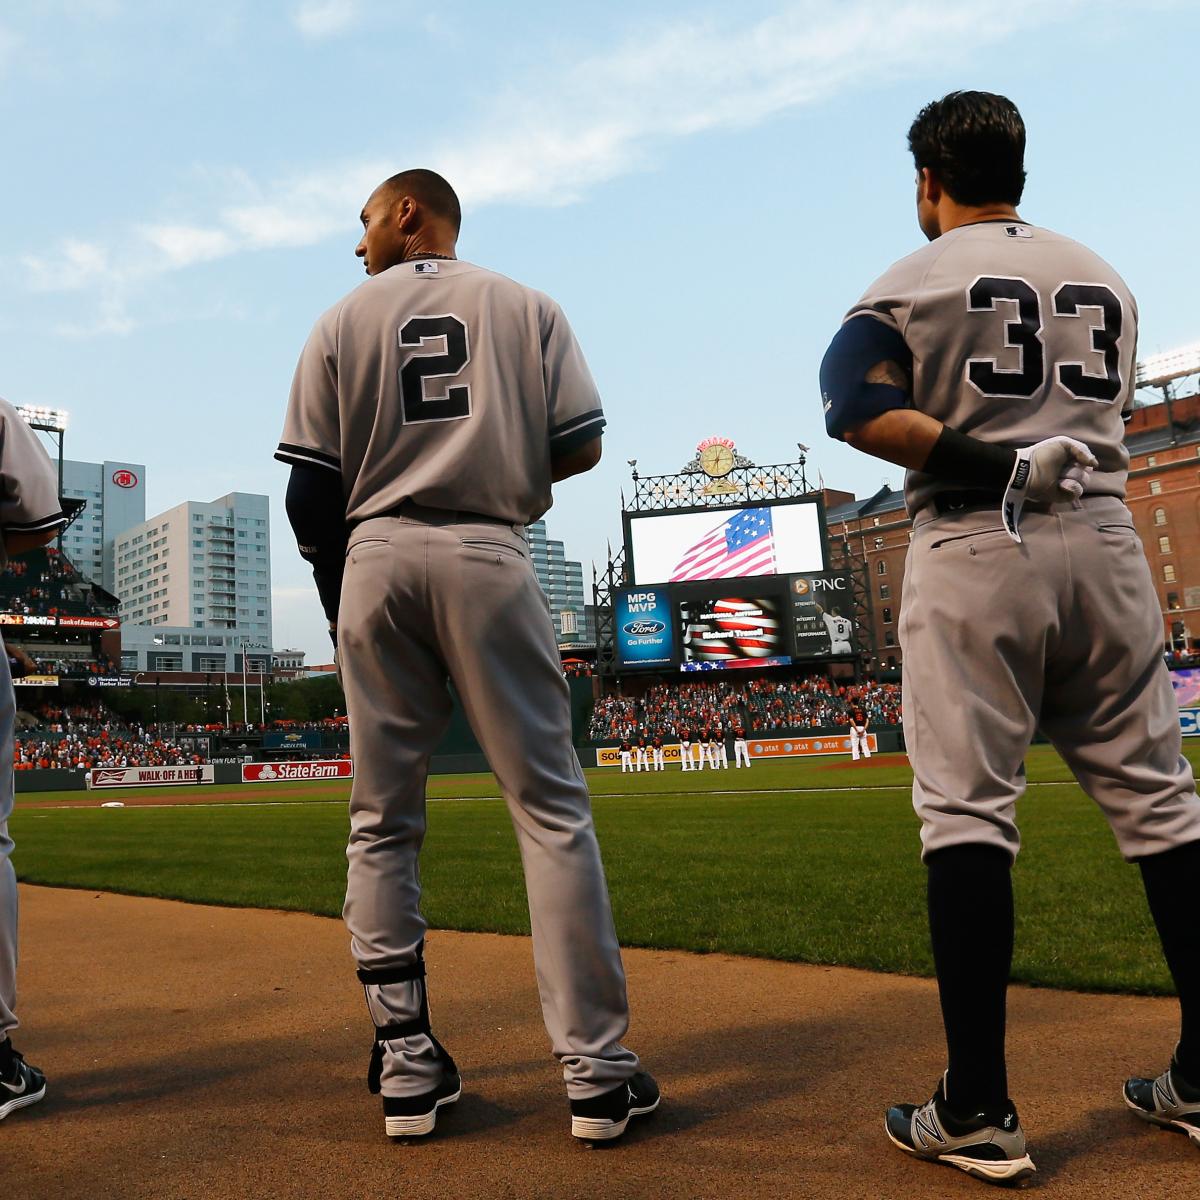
point(971, 928)
point(1170, 881)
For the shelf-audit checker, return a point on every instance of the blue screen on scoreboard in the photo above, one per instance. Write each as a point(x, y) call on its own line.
point(645, 635)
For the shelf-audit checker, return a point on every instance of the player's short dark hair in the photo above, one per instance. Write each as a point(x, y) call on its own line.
point(429, 189)
point(975, 143)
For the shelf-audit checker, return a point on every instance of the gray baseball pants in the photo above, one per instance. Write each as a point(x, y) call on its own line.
point(8, 877)
point(439, 597)
point(1061, 632)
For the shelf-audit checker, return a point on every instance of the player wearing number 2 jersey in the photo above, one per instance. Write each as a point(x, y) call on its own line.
point(996, 364)
point(431, 411)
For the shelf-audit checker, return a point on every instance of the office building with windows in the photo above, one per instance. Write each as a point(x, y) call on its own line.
point(562, 581)
point(114, 496)
point(195, 586)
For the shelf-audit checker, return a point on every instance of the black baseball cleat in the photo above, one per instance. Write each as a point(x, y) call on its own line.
point(605, 1117)
point(987, 1146)
point(20, 1084)
point(416, 1116)
point(1170, 1101)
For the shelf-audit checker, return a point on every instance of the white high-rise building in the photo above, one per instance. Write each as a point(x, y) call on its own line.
point(195, 586)
point(114, 495)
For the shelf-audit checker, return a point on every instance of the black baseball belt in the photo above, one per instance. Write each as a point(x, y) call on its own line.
point(427, 515)
point(973, 498)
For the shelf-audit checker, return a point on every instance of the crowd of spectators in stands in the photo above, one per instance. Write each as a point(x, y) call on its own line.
point(44, 583)
point(89, 735)
point(70, 668)
point(760, 706)
point(1181, 659)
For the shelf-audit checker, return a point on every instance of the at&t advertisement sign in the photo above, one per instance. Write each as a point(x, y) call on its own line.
point(645, 637)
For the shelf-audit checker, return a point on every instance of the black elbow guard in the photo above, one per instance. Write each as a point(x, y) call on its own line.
point(847, 397)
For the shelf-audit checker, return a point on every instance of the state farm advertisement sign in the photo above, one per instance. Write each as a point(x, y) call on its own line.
point(118, 777)
point(291, 772)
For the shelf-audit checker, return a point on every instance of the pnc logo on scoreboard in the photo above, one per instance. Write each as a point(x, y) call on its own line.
point(125, 479)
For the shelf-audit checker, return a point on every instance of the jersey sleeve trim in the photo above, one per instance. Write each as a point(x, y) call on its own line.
point(584, 420)
point(289, 453)
point(570, 440)
point(39, 526)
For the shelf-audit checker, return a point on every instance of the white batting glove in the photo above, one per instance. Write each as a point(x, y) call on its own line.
point(1049, 472)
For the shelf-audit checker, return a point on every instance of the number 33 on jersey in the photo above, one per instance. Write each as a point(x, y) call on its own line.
point(1017, 334)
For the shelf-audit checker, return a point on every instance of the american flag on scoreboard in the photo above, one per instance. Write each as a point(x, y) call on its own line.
point(729, 630)
point(742, 545)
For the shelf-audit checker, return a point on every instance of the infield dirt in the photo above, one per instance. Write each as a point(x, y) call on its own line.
point(211, 1052)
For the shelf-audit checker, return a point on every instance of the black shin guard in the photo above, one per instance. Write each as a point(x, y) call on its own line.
point(971, 928)
point(1170, 881)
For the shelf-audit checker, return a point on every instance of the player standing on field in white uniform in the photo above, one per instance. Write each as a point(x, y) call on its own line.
point(741, 751)
point(685, 748)
point(30, 516)
point(656, 749)
point(859, 743)
point(640, 758)
point(996, 364)
point(626, 756)
point(431, 411)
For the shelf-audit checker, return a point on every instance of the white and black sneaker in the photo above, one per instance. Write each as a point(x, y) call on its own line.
point(988, 1146)
point(1170, 1101)
point(605, 1117)
point(416, 1116)
point(20, 1084)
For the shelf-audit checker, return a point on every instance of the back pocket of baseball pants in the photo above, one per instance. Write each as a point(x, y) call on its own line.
point(493, 546)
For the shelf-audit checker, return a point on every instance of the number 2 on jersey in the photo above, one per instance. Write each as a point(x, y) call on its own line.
point(1024, 333)
point(450, 352)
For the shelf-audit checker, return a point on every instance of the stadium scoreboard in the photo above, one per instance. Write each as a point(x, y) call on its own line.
point(719, 588)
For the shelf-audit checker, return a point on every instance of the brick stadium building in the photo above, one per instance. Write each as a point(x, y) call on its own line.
point(1163, 495)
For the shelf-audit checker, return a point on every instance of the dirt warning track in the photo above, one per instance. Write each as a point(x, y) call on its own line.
point(210, 1052)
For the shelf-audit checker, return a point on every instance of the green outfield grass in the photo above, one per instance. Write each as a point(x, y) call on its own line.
point(790, 860)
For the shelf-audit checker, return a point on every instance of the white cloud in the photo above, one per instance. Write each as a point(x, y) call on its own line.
point(183, 245)
point(548, 139)
point(325, 18)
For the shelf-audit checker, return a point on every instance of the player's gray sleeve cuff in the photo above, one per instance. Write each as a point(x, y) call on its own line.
point(570, 435)
point(289, 453)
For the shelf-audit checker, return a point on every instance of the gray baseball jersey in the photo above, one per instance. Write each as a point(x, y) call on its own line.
point(443, 384)
point(28, 504)
point(1017, 334)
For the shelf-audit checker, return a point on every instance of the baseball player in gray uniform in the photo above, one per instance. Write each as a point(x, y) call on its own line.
point(996, 364)
point(30, 516)
point(431, 410)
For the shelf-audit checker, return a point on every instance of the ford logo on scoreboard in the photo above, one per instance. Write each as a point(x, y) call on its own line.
point(644, 634)
point(644, 628)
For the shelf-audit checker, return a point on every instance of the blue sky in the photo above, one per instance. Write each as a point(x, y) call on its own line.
point(704, 188)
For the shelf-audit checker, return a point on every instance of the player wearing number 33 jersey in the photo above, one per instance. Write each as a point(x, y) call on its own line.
point(431, 411)
point(996, 363)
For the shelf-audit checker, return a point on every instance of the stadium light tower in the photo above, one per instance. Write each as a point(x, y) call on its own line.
point(1164, 371)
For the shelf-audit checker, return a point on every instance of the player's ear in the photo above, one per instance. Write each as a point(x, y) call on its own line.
point(405, 213)
point(931, 186)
